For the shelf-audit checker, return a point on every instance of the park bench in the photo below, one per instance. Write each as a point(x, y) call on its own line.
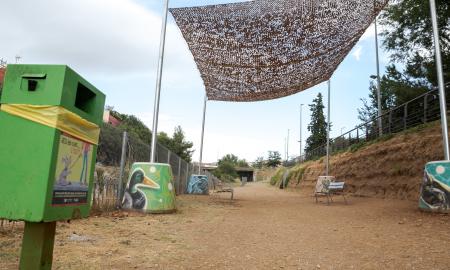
point(328, 186)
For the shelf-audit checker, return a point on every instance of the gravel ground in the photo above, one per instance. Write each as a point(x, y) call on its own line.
point(264, 228)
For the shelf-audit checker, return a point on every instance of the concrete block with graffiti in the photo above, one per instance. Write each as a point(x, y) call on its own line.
point(198, 184)
point(435, 190)
point(150, 188)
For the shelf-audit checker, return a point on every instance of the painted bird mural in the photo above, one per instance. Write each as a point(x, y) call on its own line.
point(134, 198)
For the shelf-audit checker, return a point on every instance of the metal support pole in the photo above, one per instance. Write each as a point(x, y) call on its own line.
point(186, 180)
point(203, 134)
point(301, 109)
point(442, 101)
point(287, 146)
point(158, 82)
point(122, 168)
point(328, 130)
point(37, 246)
point(179, 177)
point(380, 127)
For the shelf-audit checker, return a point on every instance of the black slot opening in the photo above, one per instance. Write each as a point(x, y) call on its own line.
point(32, 85)
point(85, 98)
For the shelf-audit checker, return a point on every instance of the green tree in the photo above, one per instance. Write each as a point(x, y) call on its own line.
point(243, 163)
point(177, 144)
point(274, 159)
point(140, 140)
point(258, 163)
point(132, 124)
point(226, 169)
point(318, 125)
point(409, 42)
point(229, 158)
point(409, 39)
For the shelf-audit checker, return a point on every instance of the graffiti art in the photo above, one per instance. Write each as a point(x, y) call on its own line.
point(150, 188)
point(198, 184)
point(435, 190)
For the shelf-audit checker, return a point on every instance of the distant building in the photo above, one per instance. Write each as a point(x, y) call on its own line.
point(243, 172)
point(110, 119)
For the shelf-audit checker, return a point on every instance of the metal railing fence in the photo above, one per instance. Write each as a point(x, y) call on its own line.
point(420, 110)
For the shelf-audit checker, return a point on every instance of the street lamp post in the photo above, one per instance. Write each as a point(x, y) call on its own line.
point(300, 141)
point(328, 130)
point(380, 122)
point(287, 146)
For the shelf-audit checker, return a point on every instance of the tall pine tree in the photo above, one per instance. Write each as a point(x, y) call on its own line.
point(318, 125)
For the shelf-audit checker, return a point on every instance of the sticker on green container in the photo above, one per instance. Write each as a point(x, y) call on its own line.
point(72, 171)
point(150, 188)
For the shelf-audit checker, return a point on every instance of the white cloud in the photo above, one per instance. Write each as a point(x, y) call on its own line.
point(357, 52)
point(102, 36)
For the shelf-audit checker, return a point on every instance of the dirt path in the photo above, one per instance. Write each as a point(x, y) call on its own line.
point(264, 228)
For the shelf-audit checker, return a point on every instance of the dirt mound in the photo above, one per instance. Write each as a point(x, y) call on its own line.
point(391, 167)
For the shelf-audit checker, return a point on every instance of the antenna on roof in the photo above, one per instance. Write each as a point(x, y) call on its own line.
point(18, 57)
point(3, 63)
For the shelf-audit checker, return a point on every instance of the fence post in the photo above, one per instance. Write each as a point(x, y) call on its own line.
point(122, 168)
point(357, 134)
point(179, 176)
point(390, 121)
point(367, 133)
point(405, 117)
point(425, 108)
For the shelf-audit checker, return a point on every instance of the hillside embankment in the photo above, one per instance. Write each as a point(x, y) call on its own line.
point(390, 167)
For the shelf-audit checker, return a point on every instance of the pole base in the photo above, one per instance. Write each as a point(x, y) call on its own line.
point(37, 246)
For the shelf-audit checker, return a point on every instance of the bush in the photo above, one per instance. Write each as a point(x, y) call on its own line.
point(110, 146)
point(277, 177)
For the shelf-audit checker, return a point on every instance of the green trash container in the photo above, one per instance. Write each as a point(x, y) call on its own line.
point(49, 119)
point(150, 188)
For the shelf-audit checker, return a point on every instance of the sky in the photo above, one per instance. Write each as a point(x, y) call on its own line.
point(114, 44)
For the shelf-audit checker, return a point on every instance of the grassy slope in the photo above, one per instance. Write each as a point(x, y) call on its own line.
point(391, 167)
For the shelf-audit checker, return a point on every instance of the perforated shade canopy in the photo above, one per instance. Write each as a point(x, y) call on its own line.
point(267, 49)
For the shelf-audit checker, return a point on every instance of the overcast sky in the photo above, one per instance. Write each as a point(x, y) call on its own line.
point(114, 45)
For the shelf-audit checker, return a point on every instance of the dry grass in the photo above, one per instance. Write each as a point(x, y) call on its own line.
point(265, 228)
point(390, 168)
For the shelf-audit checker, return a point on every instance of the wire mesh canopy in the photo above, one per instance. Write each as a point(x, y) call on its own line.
point(267, 49)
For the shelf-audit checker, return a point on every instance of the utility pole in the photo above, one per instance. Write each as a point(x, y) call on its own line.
point(380, 122)
point(300, 141)
point(3, 63)
point(287, 146)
